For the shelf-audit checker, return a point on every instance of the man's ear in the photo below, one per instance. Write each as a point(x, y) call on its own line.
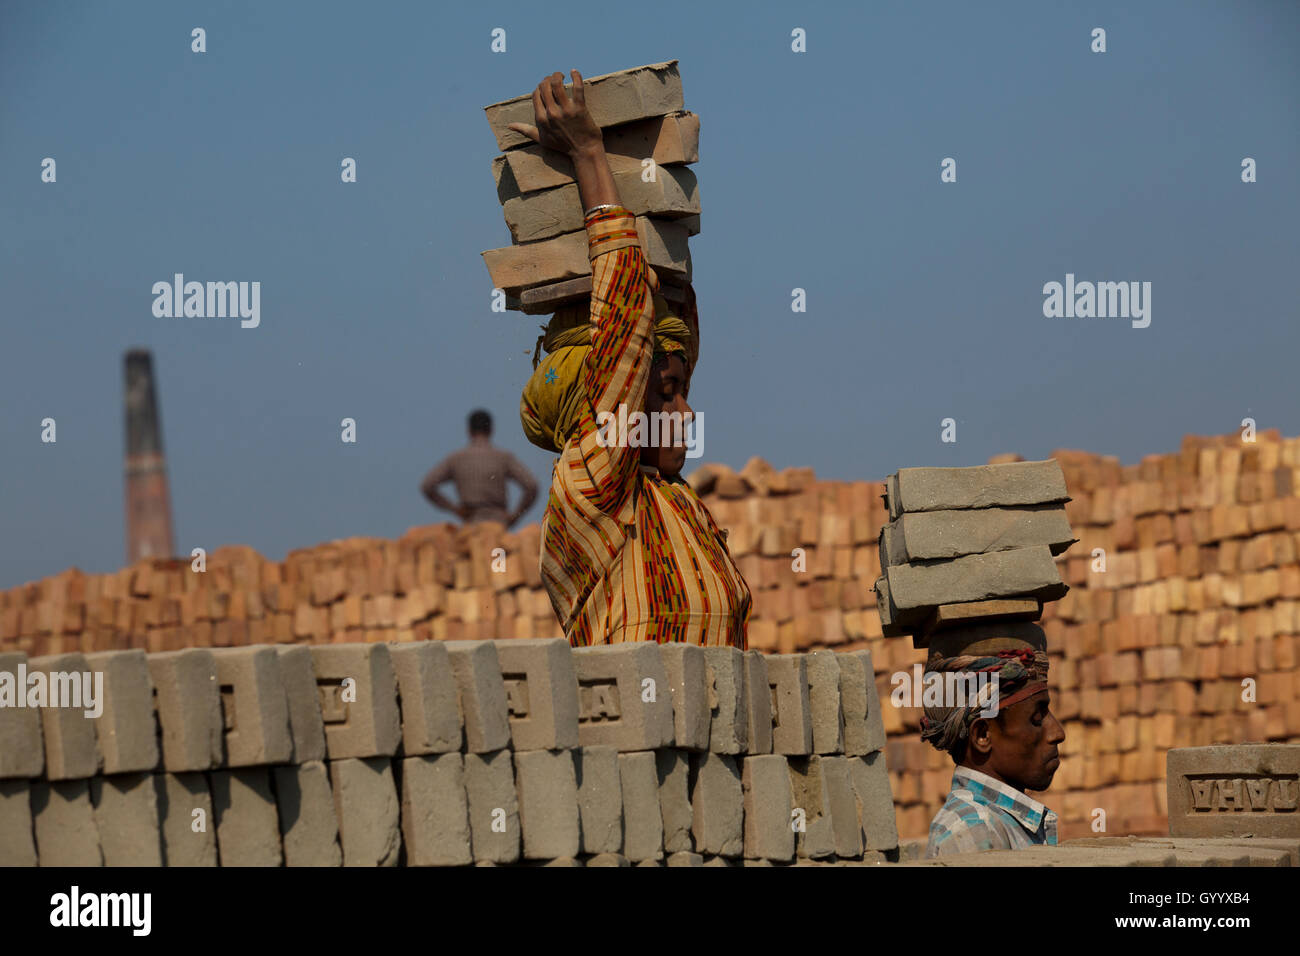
point(978, 737)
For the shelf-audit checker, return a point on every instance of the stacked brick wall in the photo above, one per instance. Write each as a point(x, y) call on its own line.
point(1201, 590)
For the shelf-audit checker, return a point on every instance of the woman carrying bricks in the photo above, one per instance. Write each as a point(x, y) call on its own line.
point(629, 552)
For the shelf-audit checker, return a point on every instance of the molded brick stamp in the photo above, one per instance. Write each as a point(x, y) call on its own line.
point(482, 695)
point(309, 827)
point(247, 824)
point(365, 802)
point(17, 845)
point(254, 706)
point(22, 746)
point(787, 675)
point(769, 805)
point(493, 807)
point(548, 804)
point(189, 832)
point(435, 811)
point(64, 821)
point(688, 681)
point(623, 697)
point(305, 721)
point(717, 804)
point(427, 698)
point(1234, 790)
point(869, 778)
point(824, 702)
point(188, 702)
point(71, 747)
point(864, 728)
point(128, 728)
point(728, 722)
point(358, 700)
point(541, 695)
point(126, 816)
point(643, 825)
point(600, 799)
point(758, 704)
point(674, 770)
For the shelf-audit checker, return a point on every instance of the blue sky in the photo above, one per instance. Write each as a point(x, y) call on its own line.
point(818, 170)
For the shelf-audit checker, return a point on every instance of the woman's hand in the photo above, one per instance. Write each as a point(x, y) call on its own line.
point(563, 124)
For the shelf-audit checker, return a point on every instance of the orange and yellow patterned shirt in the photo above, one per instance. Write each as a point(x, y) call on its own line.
point(628, 555)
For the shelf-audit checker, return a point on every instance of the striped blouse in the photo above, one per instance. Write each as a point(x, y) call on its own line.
point(628, 555)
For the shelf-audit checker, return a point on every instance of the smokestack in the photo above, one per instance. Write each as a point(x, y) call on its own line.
point(148, 506)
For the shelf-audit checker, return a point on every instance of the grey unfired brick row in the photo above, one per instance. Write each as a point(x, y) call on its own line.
point(427, 698)
point(612, 98)
point(541, 690)
point(624, 698)
point(361, 719)
point(127, 729)
point(71, 747)
point(254, 706)
point(22, 745)
point(983, 486)
point(189, 708)
point(1024, 572)
point(1232, 790)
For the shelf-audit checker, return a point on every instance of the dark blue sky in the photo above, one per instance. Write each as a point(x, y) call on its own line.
point(818, 170)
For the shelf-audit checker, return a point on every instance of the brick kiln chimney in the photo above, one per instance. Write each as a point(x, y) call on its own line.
point(148, 506)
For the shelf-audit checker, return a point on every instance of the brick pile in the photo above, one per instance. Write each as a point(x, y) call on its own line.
point(1201, 590)
point(447, 753)
point(649, 140)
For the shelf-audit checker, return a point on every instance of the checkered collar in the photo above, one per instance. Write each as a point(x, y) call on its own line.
point(1028, 812)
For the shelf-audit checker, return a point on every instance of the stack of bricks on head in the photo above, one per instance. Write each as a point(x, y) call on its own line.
point(1184, 583)
point(649, 140)
point(450, 753)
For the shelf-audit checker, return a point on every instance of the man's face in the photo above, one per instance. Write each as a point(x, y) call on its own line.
point(664, 394)
point(1023, 744)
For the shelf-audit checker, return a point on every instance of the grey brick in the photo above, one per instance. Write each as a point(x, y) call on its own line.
point(600, 799)
point(688, 681)
point(548, 803)
point(768, 802)
point(127, 729)
point(1231, 790)
point(71, 748)
point(17, 844)
point(188, 700)
point(367, 725)
point(126, 816)
point(824, 702)
point(870, 780)
point(426, 689)
point(758, 704)
point(983, 486)
point(306, 724)
point(816, 837)
point(493, 806)
point(614, 699)
point(609, 859)
point(541, 693)
point(1024, 572)
point(365, 802)
point(837, 792)
point(309, 828)
point(864, 728)
point(254, 707)
point(22, 747)
point(787, 675)
point(64, 823)
point(482, 695)
point(643, 824)
point(728, 720)
point(674, 771)
point(435, 811)
point(187, 839)
point(685, 859)
point(248, 827)
point(934, 535)
point(717, 803)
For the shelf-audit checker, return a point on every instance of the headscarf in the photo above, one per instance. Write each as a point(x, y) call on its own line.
point(553, 400)
point(1021, 672)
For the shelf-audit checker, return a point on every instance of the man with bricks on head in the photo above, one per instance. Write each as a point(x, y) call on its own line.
point(999, 756)
point(629, 552)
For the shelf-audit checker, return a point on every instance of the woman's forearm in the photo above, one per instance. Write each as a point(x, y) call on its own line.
point(595, 181)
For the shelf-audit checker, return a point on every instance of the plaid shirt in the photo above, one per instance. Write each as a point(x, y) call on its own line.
point(480, 472)
point(985, 814)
